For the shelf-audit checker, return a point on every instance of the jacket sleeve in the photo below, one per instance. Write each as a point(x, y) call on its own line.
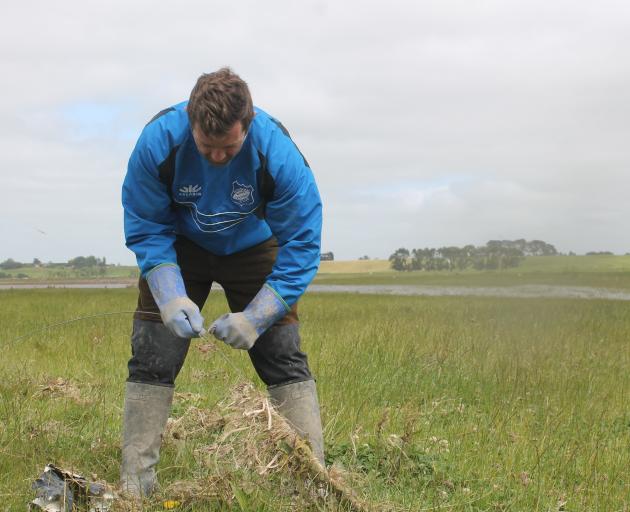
point(148, 217)
point(294, 215)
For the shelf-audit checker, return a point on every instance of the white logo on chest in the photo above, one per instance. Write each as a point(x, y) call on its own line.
point(190, 191)
point(243, 195)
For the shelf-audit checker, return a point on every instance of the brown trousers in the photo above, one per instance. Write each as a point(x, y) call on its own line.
point(241, 276)
point(276, 355)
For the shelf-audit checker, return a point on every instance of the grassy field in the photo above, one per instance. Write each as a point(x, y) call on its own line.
point(595, 271)
point(68, 274)
point(532, 264)
point(354, 267)
point(433, 403)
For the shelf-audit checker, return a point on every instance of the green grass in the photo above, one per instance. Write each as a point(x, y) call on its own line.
point(440, 403)
point(594, 271)
point(546, 264)
point(52, 274)
point(575, 264)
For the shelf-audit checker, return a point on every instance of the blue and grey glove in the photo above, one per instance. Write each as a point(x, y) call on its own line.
point(241, 330)
point(180, 314)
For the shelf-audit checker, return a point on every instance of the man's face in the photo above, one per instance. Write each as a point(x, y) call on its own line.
point(220, 150)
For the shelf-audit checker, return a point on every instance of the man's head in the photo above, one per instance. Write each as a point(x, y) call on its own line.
point(220, 111)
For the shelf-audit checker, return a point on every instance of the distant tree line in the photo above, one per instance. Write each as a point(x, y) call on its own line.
point(81, 266)
point(76, 263)
point(10, 264)
point(495, 255)
point(531, 248)
point(87, 261)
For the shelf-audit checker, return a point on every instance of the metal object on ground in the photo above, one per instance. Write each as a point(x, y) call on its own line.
point(62, 491)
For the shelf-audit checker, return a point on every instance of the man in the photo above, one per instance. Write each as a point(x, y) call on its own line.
point(216, 191)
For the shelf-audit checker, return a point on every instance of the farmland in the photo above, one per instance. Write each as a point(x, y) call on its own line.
point(432, 403)
point(595, 271)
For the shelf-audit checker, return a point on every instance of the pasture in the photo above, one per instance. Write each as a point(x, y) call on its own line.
point(597, 271)
point(471, 404)
point(593, 271)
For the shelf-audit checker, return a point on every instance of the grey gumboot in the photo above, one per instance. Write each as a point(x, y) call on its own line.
point(298, 403)
point(146, 410)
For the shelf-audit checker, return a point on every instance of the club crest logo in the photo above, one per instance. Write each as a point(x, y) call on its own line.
point(243, 195)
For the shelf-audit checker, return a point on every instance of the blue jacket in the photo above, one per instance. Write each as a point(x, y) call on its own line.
point(267, 189)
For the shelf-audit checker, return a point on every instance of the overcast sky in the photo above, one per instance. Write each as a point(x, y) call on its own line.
point(426, 123)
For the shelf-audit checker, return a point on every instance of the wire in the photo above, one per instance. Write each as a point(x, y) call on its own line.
point(72, 320)
point(205, 336)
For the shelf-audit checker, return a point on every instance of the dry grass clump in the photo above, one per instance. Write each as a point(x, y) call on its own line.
point(246, 446)
point(194, 423)
point(58, 387)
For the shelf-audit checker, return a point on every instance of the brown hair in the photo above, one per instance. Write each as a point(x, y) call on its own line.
point(219, 100)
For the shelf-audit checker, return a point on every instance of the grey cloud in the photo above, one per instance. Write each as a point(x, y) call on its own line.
point(529, 100)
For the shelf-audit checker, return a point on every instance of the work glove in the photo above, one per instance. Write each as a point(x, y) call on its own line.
point(180, 314)
point(241, 330)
